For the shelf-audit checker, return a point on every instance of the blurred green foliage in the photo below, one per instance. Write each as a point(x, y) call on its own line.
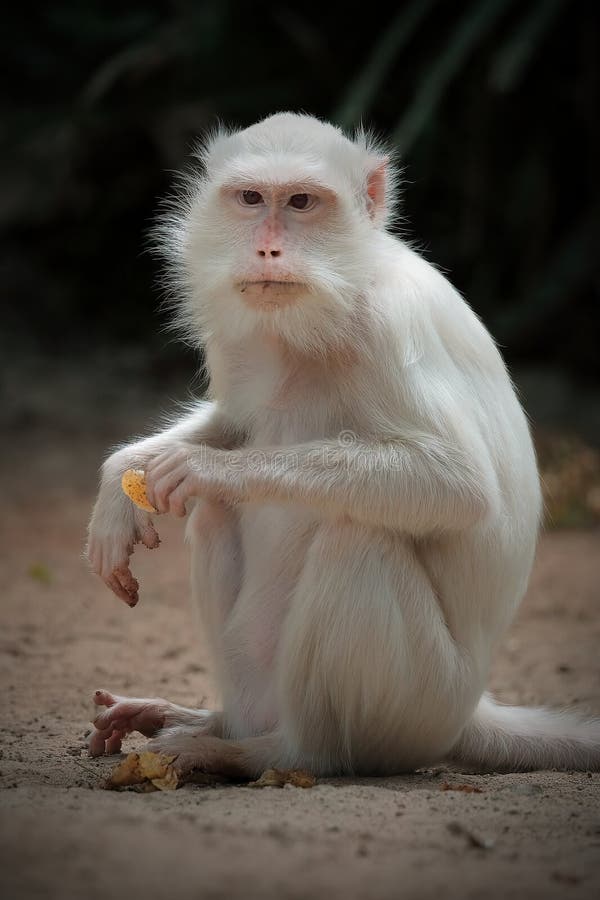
point(493, 105)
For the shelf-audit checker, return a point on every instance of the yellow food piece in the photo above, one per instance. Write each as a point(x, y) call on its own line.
point(281, 777)
point(133, 482)
point(151, 770)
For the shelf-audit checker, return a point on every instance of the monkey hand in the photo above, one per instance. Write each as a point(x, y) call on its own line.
point(185, 471)
point(116, 526)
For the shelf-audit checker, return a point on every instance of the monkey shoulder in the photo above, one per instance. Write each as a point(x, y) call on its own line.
point(421, 319)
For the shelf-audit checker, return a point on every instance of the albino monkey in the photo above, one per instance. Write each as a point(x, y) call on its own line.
point(362, 490)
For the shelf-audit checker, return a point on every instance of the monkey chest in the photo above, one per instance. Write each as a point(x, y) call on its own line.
point(285, 403)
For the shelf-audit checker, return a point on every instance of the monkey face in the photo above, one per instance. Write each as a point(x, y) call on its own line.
point(283, 228)
point(278, 233)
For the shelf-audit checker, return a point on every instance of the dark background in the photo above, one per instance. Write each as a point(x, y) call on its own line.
point(493, 106)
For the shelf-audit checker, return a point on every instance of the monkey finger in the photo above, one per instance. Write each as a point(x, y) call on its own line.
point(165, 487)
point(168, 475)
point(151, 489)
point(168, 459)
point(149, 536)
point(178, 497)
point(162, 468)
point(127, 580)
point(113, 583)
point(129, 597)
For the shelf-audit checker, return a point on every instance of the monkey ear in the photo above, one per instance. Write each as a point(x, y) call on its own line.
point(377, 191)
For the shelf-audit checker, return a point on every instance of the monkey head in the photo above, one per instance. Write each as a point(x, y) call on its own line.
point(277, 231)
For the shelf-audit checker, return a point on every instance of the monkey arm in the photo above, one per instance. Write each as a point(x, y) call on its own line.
point(420, 484)
point(116, 524)
point(417, 485)
point(204, 424)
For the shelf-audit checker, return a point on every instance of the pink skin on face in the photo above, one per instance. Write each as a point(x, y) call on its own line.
point(274, 287)
point(269, 237)
point(276, 218)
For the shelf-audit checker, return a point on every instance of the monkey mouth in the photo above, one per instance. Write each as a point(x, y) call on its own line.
point(269, 293)
point(268, 283)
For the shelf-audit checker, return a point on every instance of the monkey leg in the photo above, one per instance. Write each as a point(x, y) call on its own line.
point(123, 715)
point(370, 679)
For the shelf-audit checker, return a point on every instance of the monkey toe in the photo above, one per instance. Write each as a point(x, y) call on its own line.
point(104, 698)
point(104, 741)
point(113, 744)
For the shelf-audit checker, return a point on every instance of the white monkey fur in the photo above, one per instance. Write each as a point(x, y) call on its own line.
point(363, 493)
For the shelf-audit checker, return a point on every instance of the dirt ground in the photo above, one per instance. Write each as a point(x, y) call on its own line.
point(63, 635)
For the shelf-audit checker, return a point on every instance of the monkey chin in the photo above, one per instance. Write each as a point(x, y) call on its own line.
point(270, 295)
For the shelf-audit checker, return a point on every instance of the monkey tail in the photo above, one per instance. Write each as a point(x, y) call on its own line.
point(514, 738)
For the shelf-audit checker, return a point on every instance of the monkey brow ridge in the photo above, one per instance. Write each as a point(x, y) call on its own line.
point(280, 187)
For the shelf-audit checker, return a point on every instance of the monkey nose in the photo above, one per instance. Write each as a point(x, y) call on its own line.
point(269, 252)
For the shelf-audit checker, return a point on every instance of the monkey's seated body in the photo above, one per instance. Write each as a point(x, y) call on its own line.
point(361, 487)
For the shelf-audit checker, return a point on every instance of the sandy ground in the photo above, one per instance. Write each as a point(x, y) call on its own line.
point(63, 836)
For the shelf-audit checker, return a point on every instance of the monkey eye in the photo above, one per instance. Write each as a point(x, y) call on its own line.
point(302, 201)
point(251, 198)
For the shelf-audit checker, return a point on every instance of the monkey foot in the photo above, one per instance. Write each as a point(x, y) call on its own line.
point(195, 750)
point(122, 716)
